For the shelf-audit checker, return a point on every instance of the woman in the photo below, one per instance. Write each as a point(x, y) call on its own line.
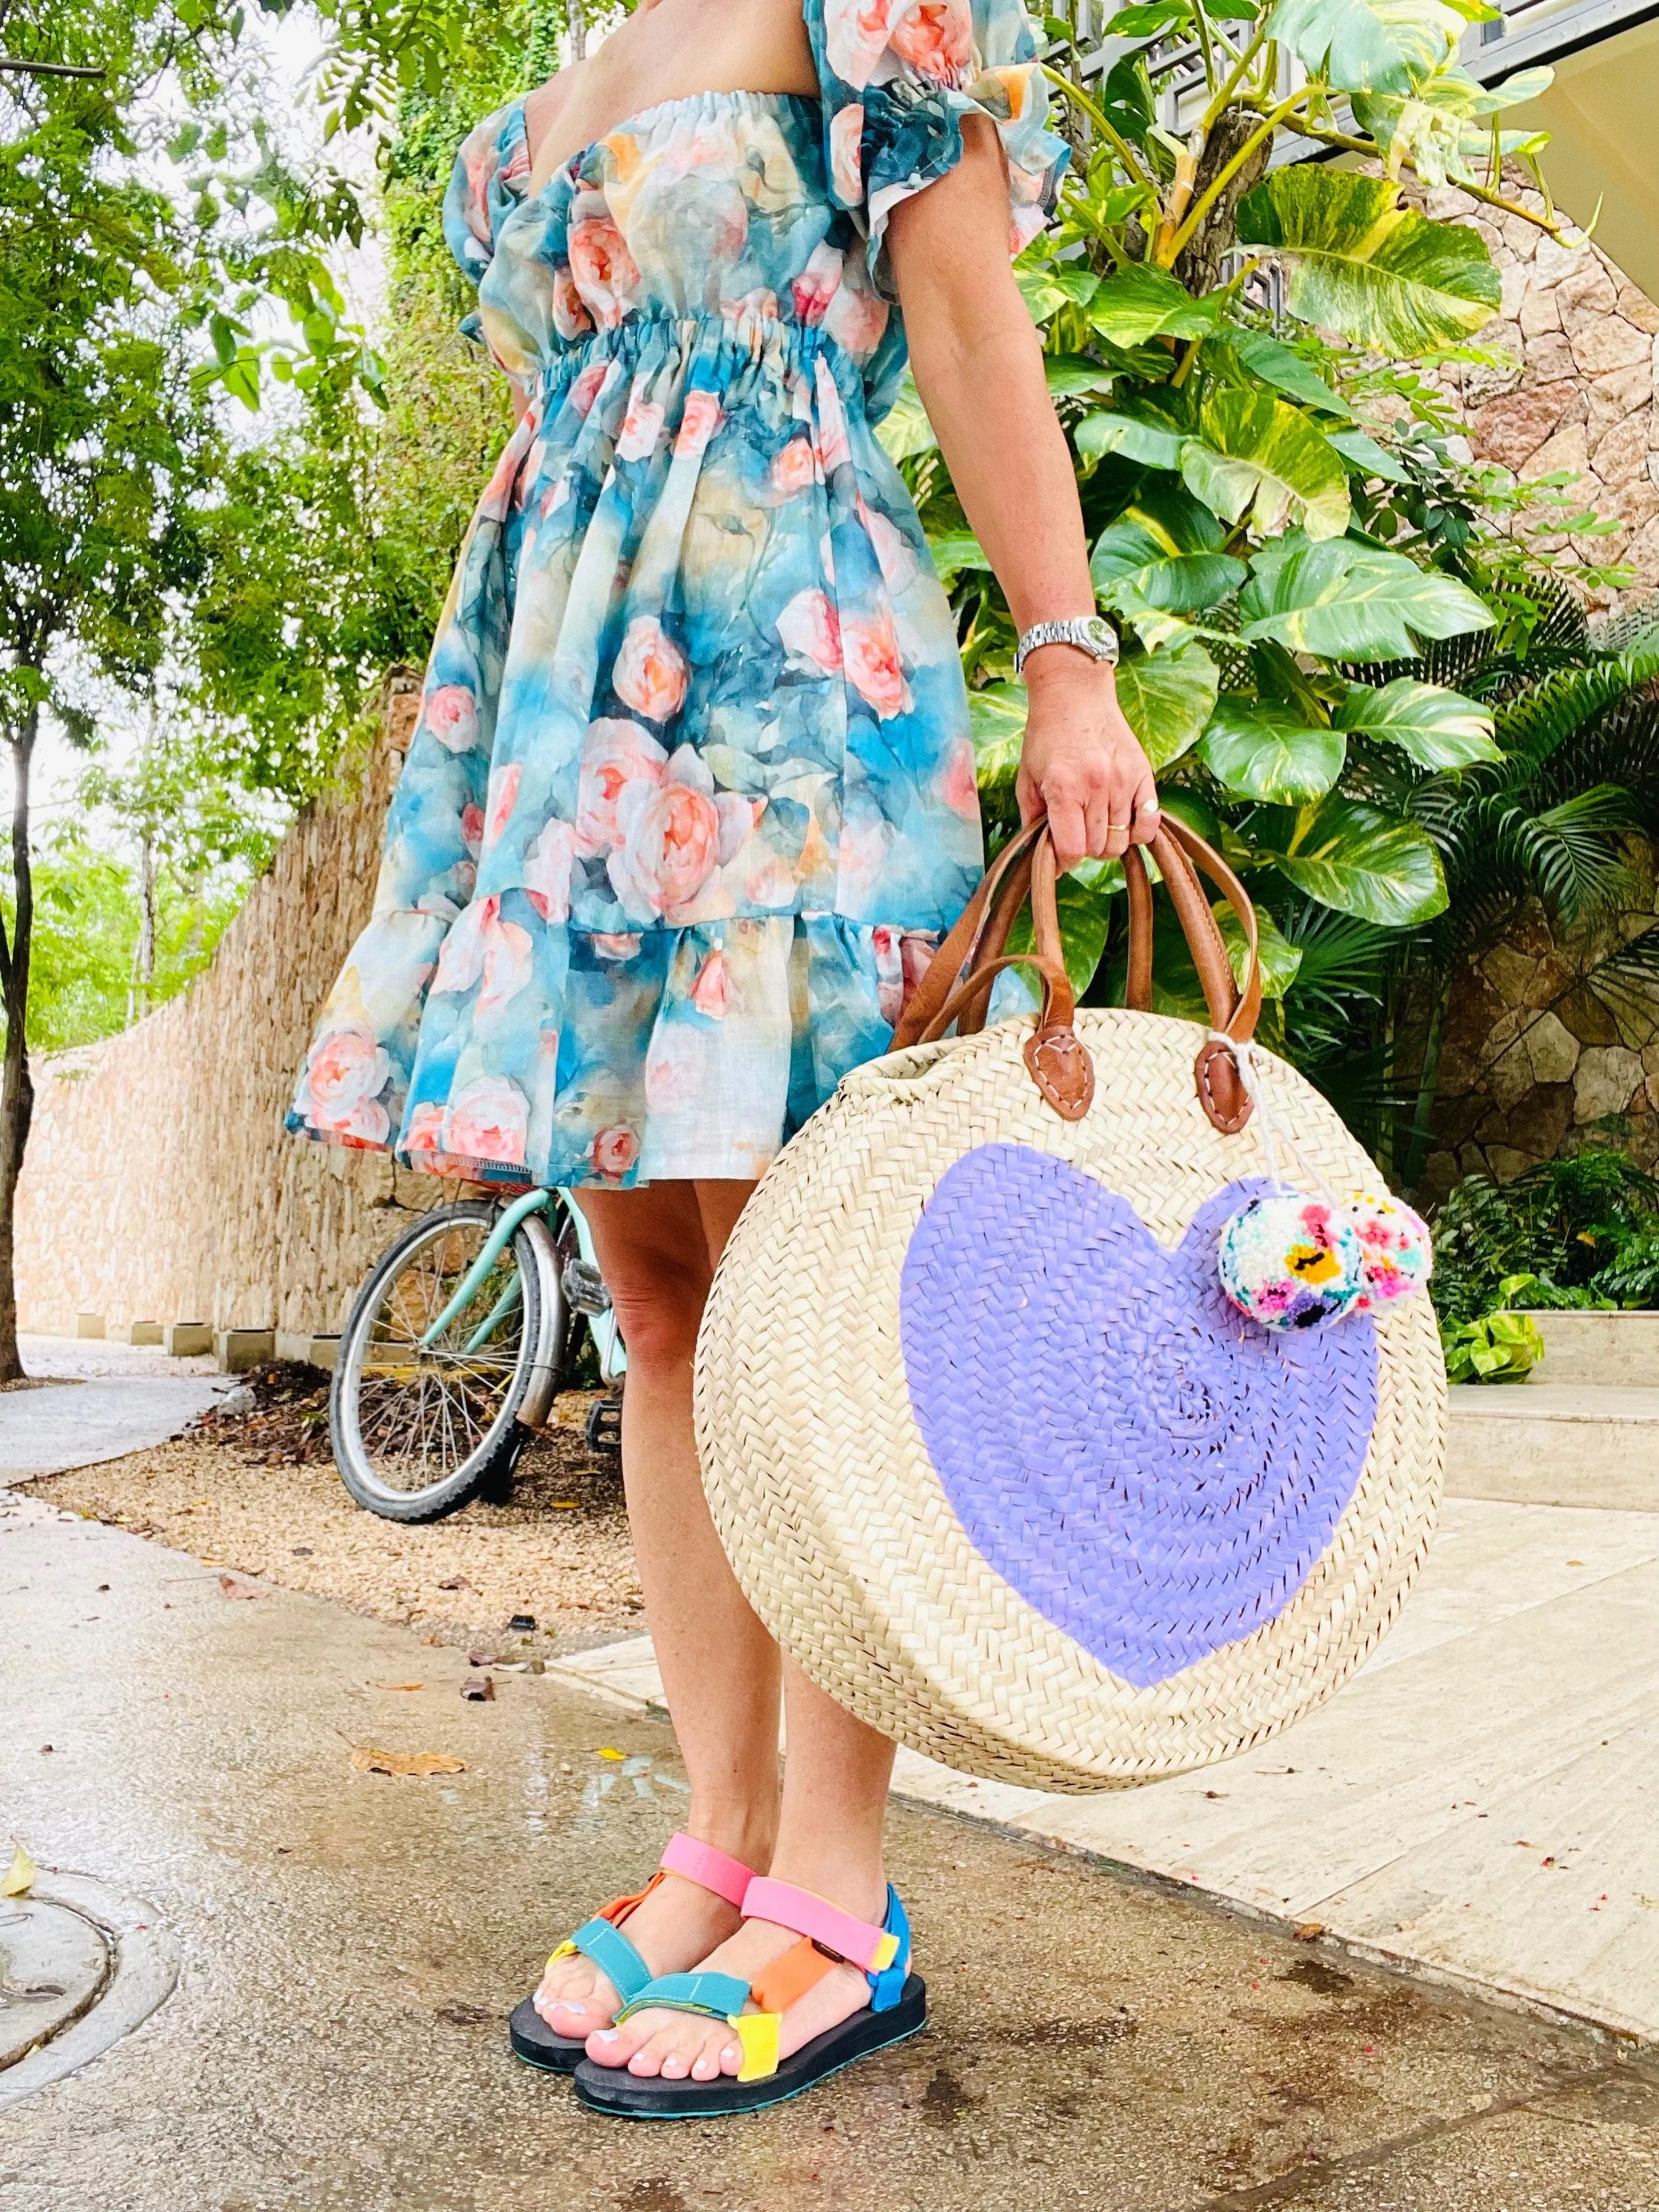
point(691, 802)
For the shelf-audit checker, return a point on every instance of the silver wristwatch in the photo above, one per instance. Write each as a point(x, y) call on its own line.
point(1090, 633)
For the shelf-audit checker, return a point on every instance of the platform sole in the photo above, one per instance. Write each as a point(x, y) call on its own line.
point(628, 2096)
point(534, 2041)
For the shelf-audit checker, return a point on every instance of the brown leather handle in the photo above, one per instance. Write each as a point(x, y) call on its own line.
point(957, 984)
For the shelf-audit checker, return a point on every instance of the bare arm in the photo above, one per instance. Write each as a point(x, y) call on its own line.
point(978, 367)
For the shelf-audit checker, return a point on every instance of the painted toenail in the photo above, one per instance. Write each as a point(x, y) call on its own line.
point(576, 2010)
point(608, 2034)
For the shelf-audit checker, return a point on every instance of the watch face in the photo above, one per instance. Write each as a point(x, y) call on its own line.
point(1100, 630)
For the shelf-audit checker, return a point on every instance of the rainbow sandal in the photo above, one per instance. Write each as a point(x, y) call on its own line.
point(602, 1941)
point(830, 1938)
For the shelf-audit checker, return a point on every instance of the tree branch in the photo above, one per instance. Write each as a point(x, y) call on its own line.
point(47, 69)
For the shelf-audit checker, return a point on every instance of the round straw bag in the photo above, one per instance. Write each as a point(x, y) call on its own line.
point(993, 1456)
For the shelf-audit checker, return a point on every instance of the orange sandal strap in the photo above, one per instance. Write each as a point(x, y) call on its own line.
point(802, 1967)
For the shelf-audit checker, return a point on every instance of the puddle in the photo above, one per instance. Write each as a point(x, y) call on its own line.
point(54, 1966)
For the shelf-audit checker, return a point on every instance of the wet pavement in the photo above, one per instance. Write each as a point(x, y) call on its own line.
point(99, 1401)
point(349, 1943)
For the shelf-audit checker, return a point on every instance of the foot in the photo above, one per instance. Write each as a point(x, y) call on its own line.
point(671, 1930)
point(680, 2045)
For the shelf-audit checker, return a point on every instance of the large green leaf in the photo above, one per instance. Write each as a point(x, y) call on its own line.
point(1046, 288)
point(1150, 443)
point(904, 430)
point(1276, 364)
point(955, 550)
point(1364, 454)
point(1257, 451)
point(1261, 751)
point(1134, 571)
point(996, 716)
point(1277, 958)
point(1361, 265)
point(1070, 375)
point(1370, 45)
point(1142, 302)
point(1362, 861)
point(1167, 698)
point(1084, 897)
point(1438, 728)
point(1441, 126)
point(1351, 602)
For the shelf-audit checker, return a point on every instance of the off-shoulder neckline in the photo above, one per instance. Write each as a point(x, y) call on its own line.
point(659, 109)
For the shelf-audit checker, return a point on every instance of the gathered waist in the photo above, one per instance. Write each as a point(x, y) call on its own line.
point(734, 348)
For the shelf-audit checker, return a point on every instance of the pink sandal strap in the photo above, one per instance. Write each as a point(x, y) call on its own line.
point(855, 1940)
point(711, 1869)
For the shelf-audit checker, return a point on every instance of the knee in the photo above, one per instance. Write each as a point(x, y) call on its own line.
point(659, 1316)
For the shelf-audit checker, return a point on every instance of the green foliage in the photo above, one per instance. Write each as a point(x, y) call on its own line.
point(1502, 1347)
point(1580, 1230)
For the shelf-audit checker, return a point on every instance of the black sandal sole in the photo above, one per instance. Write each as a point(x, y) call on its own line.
point(534, 2041)
point(628, 2096)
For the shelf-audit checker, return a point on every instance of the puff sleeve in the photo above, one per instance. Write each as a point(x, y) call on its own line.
point(898, 76)
point(490, 177)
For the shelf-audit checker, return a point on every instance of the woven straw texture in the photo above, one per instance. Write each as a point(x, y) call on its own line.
point(1057, 1333)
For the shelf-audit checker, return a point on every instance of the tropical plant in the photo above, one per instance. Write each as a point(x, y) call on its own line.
point(1579, 1231)
point(1502, 1347)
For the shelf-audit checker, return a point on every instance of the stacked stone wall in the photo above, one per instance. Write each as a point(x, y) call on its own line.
point(159, 1183)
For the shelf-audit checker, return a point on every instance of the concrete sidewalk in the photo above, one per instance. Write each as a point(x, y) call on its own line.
point(99, 1401)
point(1481, 1805)
point(348, 1944)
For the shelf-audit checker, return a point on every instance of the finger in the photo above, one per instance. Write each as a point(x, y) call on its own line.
point(1069, 829)
point(1148, 813)
point(1027, 797)
point(1107, 824)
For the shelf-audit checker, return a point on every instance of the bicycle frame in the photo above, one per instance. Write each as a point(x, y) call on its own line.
point(607, 1338)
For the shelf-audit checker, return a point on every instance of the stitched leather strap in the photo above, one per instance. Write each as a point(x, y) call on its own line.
point(710, 1869)
point(957, 984)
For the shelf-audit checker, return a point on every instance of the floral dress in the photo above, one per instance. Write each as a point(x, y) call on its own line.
point(691, 794)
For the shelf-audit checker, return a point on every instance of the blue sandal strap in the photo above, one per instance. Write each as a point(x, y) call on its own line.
point(887, 1987)
point(615, 1957)
point(717, 1995)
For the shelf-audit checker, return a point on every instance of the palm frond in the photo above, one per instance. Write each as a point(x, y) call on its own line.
point(1531, 728)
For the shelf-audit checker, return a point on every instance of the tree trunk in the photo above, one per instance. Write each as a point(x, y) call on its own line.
point(576, 23)
point(1199, 264)
point(144, 953)
point(16, 1090)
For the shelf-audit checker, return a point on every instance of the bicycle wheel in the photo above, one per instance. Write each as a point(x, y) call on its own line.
point(419, 1429)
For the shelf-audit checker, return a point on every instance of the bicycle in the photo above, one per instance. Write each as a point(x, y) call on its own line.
point(456, 1346)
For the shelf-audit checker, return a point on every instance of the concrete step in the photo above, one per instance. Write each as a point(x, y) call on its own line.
point(1556, 1444)
point(1620, 1348)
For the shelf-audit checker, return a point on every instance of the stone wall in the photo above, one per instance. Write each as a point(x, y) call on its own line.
point(1577, 391)
point(159, 1183)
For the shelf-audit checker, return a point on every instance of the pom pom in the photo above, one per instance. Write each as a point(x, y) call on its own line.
point(1292, 1262)
point(1398, 1252)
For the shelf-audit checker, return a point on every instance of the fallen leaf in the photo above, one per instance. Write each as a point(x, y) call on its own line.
point(234, 1586)
point(400, 1685)
point(609, 1753)
point(567, 1505)
point(1215, 1793)
point(1651, 1903)
point(522, 1624)
point(367, 1761)
point(481, 1659)
point(478, 1689)
point(1308, 1930)
point(1575, 1563)
point(20, 1875)
point(457, 1583)
point(457, 2013)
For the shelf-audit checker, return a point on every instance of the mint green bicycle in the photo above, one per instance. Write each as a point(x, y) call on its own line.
point(456, 1346)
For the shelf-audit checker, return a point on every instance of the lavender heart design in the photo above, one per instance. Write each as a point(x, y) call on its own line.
point(1153, 1473)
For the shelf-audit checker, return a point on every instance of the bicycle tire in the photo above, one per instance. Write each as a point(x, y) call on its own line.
point(490, 1464)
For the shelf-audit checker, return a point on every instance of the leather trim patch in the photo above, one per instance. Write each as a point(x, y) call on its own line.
point(1221, 1089)
point(1062, 1071)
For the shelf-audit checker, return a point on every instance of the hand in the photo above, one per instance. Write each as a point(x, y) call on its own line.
point(1082, 762)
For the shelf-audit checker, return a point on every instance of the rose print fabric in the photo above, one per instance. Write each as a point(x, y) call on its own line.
point(691, 795)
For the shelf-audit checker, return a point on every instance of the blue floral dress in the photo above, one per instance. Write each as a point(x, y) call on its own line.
point(691, 795)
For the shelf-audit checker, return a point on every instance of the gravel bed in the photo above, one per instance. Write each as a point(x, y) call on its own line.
point(259, 1495)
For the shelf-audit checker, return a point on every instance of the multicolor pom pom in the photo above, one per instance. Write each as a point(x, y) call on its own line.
point(1295, 1262)
point(1292, 1262)
point(1398, 1248)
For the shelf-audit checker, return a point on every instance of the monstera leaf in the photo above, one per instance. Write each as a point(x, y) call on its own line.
point(1256, 452)
point(1153, 444)
point(1258, 750)
point(1372, 45)
point(996, 717)
point(1362, 861)
point(1437, 728)
point(1360, 264)
point(1350, 602)
point(1167, 698)
point(1142, 302)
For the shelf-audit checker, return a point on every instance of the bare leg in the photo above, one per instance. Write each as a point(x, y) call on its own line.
point(657, 1249)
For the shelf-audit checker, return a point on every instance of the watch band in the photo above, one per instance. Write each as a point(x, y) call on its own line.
point(1090, 633)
